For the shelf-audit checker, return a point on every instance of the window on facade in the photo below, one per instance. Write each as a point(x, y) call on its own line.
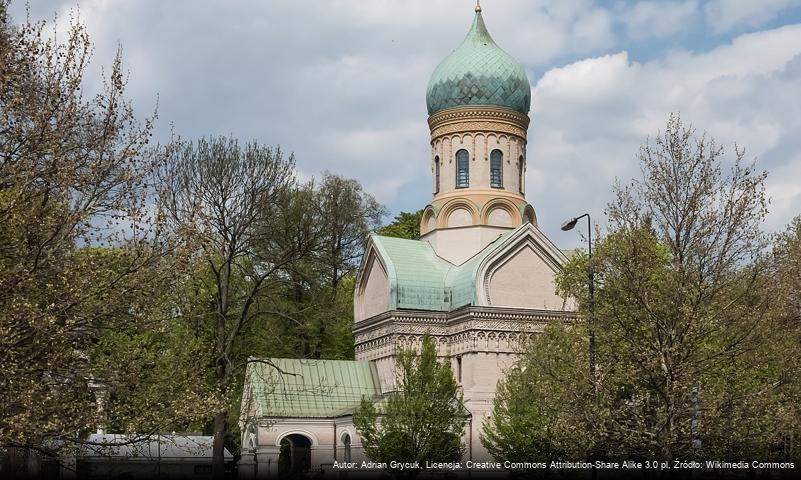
point(520, 169)
point(436, 174)
point(459, 369)
point(346, 443)
point(462, 169)
point(496, 169)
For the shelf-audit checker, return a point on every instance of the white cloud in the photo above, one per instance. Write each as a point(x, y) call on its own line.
point(725, 15)
point(589, 118)
point(536, 32)
point(657, 18)
point(342, 84)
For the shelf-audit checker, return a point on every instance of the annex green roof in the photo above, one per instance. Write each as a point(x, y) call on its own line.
point(421, 280)
point(305, 388)
point(478, 72)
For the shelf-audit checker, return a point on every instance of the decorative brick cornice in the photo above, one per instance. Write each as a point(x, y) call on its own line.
point(468, 329)
point(478, 119)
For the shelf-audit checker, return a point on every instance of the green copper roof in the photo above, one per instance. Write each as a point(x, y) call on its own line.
point(421, 280)
point(462, 279)
point(478, 72)
point(310, 388)
point(416, 273)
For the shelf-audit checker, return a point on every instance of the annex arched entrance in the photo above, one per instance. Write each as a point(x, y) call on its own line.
point(294, 461)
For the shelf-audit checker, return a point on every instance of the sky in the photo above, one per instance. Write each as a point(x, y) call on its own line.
point(342, 84)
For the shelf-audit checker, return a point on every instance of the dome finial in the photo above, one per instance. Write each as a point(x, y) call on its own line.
point(478, 6)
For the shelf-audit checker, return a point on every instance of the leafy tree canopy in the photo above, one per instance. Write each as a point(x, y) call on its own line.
point(423, 420)
point(404, 225)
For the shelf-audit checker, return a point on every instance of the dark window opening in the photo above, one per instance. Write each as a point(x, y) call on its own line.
point(436, 174)
point(462, 169)
point(496, 169)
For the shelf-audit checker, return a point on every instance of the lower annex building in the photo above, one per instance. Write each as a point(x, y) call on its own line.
point(480, 279)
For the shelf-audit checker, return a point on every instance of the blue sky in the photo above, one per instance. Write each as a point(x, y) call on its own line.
point(342, 83)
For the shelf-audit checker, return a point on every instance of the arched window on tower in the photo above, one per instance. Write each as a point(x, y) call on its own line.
point(436, 174)
point(496, 169)
point(462, 169)
point(521, 167)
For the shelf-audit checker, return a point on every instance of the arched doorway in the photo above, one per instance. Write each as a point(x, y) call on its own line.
point(346, 444)
point(294, 461)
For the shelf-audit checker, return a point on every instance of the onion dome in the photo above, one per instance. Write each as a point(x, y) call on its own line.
point(478, 72)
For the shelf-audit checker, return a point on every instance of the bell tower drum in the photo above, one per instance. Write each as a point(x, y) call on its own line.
point(478, 100)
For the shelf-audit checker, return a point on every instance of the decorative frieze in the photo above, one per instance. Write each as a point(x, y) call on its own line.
point(467, 330)
point(483, 119)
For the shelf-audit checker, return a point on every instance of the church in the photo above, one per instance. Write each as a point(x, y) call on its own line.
point(480, 279)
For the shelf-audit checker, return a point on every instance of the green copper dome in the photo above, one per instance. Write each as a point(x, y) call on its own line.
point(478, 72)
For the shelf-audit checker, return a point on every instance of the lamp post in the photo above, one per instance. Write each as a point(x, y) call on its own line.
point(568, 225)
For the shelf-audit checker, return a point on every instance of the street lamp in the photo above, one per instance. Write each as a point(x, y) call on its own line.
point(568, 225)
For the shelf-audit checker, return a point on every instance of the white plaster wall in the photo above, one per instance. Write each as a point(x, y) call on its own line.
point(479, 146)
point(385, 367)
point(499, 217)
point(375, 296)
point(524, 281)
point(325, 436)
point(431, 224)
point(460, 218)
point(459, 244)
point(480, 374)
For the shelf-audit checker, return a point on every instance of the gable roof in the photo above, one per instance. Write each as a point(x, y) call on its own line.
point(302, 388)
point(416, 274)
point(421, 280)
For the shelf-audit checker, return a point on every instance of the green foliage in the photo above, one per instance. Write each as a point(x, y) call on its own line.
point(422, 421)
point(292, 323)
point(785, 345)
point(80, 254)
point(645, 384)
point(691, 360)
point(274, 260)
point(346, 215)
point(312, 313)
point(537, 403)
point(404, 225)
point(160, 389)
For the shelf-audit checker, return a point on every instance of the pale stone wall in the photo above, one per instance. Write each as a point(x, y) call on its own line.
point(479, 145)
point(325, 436)
point(485, 340)
point(499, 217)
point(458, 245)
point(480, 374)
point(459, 217)
point(375, 297)
point(524, 281)
point(385, 367)
point(479, 131)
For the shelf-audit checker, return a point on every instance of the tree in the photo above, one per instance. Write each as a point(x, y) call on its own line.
point(232, 203)
point(678, 305)
point(689, 361)
point(404, 225)
point(786, 344)
point(536, 411)
point(348, 214)
point(80, 255)
point(313, 316)
point(423, 421)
